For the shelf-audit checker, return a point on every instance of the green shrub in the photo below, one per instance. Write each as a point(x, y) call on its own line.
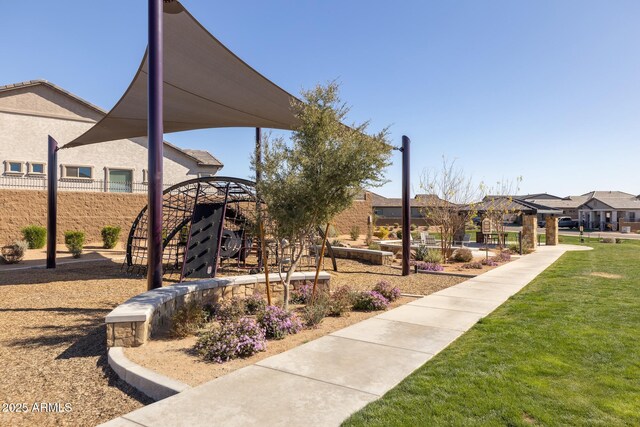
point(369, 239)
point(75, 242)
point(381, 233)
point(187, 320)
point(421, 252)
point(392, 236)
point(396, 225)
point(433, 256)
point(412, 227)
point(399, 234)
point(230, 310)
point(415, 235)
point(619, 240)
point(462, 255)
point(341, 301)
point(314, 312)
point(607, 240)
point(110, 236)
point(354, 233)
point(333, 231)
point(255, 303)
point(374, 246)
point(35, 236)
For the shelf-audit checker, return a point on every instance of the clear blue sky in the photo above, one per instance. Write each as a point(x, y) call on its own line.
point(549, 90)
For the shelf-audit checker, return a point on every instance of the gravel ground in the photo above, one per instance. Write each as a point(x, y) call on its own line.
point(52, 345)
point(362, 276)
point(52, 339)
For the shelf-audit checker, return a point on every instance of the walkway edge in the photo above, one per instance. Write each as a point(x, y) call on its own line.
point(152, 384)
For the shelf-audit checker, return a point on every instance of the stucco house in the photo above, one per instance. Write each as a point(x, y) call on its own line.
point(388, 210)
point(31, 110)
point(602, 210)
point(610, 210)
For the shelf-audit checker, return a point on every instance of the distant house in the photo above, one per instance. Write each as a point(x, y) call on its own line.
point(29, 111)
point(568, 205)
point(610, 210)
point(388, 211)
point(603, 210)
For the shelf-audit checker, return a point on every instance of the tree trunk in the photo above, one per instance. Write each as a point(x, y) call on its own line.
point(320, 258)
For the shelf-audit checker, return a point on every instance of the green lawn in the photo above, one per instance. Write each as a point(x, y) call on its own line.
point(564, 351)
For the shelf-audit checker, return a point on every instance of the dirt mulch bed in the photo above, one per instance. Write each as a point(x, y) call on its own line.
point(360, 276)
point(52, 337)
point(52, 344)
point(175, 358)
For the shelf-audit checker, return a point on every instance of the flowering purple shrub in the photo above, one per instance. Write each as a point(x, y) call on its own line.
point(503, 256)
point(279, 323)
point(341, 301)
point(230, 310)
point(255, 303)
point(230, 340)
point(370, 301)
point(490, 262)
point(302, 294)
point(429, 266)
point(387, 290)
point(472, 265)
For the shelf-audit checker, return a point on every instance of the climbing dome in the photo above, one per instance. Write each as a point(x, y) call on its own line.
point(210, 228)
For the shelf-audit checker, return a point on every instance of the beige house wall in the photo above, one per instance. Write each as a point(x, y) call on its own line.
point(29, 114)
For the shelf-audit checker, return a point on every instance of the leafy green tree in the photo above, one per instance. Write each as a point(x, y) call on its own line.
point(308, 180)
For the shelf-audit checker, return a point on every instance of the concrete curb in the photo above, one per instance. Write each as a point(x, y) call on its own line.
point(152, 384)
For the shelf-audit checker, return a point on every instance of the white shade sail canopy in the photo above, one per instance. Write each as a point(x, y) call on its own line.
point(205, 86)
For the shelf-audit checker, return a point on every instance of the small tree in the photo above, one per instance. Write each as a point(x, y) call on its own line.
point(315, 176)
point(449, 202)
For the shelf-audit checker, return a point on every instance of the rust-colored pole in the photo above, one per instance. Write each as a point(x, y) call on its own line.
point(265, 262)
point(320, 258)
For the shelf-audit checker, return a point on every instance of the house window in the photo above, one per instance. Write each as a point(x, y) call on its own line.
point(36, 168)
point(11, 167)
point(84, 172)
point(145, 176)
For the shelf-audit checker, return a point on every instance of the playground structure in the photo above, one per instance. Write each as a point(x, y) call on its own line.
point(210, 227)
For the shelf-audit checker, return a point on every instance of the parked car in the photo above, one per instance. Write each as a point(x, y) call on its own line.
point(567, 222)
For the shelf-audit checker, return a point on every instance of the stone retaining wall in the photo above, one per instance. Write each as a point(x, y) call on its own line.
point(368, 255)
point(132, 323)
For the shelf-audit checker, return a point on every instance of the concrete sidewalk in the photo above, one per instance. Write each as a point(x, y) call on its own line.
point(324, 381)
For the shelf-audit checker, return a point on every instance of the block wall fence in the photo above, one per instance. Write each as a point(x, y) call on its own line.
point(83, 211)
point(89, 212)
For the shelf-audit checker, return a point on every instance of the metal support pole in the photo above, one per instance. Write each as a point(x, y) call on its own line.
point(155, 134)
point(406, 206)
point(52, 201)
